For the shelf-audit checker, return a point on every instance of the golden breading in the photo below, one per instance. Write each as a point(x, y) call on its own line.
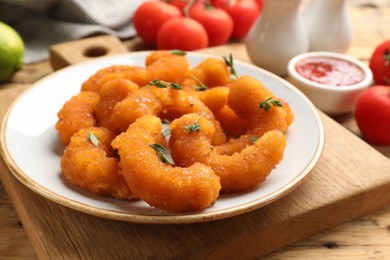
point(76, 114)
point(232, 125)
point(214, 98)
point(171, 68)
point(166, 103)
point(89, 162)
point(135, 74)
point(211, 72)
point(110, 94)
point(246, 94)
point(161, 185)
point(239, 171)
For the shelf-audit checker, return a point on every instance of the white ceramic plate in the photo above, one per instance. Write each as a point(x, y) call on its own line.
point(32, 150)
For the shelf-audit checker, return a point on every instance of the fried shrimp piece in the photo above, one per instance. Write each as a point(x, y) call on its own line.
point(110, 94)
point(166, 66)
point(144, 101)
point(239, 171)
point(159, 184)
point(246, 94)
point(214, 98)
point(135, 74)
point(165, 103)
point(232, 125)
point(77, 113)
point(211, 72)
point(89, 162)
point(156, 55)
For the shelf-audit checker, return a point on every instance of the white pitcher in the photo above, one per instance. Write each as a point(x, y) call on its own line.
point(328, 25)
point(277, 35)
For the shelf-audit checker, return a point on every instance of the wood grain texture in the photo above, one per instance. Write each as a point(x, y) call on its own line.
point(70, 234)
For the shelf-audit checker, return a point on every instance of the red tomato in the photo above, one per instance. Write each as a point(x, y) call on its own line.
point(218, 24)
point(260, 3)
point(243, 13)
point(372, 114)
point(150, 16)
point(178, 3)
point(181, 4)
point(182, 33)
point(380, 63)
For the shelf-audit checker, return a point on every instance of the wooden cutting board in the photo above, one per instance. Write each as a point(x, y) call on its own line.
point(350, 180)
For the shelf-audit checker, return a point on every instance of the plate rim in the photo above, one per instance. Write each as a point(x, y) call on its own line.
point(194, 217)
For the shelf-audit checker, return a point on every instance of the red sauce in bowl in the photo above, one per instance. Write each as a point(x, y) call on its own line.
point(330, 71)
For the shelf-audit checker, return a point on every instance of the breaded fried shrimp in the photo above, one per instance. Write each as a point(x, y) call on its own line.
point(253, 92)
point(166, 103)
point(143, 101)
point(232, 124)
point(161, 185)
point(89, 162)
point(239, 171)
point(167, 67)
point(135, 74)
point(212, 72)
point(110, 94)
point(214, 98)
point(77, 113)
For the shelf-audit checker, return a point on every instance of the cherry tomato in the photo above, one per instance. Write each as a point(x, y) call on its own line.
point(372, 114)
point(243, 13)
point(218, 24)
point(380, 63)
point(181, 4)
point(150, 16)
point(260, 3)
point(182, 33)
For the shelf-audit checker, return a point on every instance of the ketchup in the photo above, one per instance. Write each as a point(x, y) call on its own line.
point(330, 71)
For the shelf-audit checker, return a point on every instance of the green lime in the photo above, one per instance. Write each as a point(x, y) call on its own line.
point(11, 52)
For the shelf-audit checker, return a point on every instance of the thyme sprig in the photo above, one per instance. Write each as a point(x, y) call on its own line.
point(266, 103)
point(195, 127)
point(178, 52)
point(93, 139)
point(230, 64)
point(164, 84)
point(202, 86)
point(161, 153)
point(254, 139)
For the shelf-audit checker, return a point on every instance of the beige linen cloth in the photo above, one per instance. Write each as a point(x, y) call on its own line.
point(42, 23)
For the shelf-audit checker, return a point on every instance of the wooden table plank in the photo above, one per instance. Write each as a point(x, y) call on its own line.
point(367, 237)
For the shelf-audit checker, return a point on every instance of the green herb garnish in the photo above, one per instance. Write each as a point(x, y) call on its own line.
point(93, 139)
point(266, 103)
point(161, 153)
point(229, 63)
point(202, 86)
point(178, 52)
point(164, 84)
point(195, 127)
point(254, 139)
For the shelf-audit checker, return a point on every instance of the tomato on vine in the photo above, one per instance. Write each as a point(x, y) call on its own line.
point(182, 33)
point(217, 23)
point(150, 16)
point(380, 63)
point(243, 13)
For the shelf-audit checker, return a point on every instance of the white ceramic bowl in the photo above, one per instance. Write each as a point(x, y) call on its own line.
point(331, 99)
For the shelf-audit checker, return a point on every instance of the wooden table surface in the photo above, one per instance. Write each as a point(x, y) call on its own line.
point(365, 238)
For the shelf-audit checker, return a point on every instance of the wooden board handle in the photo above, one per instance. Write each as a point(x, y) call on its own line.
point(69, 53)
